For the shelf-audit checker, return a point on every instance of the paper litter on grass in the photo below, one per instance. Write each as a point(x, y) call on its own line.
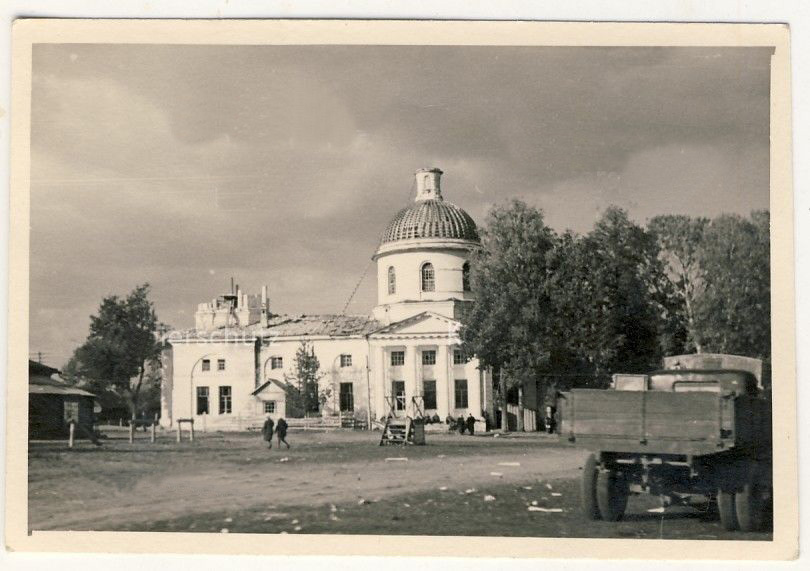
point(443, 488)
point(470, 491)
point(534, 502)
point(660, 510)
point(396, 459)
point(508, 463)
point(496, 474)
point(556, 494)
point(489, 498)
point(545, 510)
point(549, 486)
point(527, 487)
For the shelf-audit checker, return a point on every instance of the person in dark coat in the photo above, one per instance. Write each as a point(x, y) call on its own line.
point(461, 425)
point(471, 425)
point(267, 431)
point(281, 432)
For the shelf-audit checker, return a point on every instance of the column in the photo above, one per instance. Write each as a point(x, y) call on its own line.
point(442, 380)
point(378, 382)
point(450, 388)
point(411, 375)
point(473, 388)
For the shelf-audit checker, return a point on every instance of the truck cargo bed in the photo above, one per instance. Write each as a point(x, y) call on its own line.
point(657, 422)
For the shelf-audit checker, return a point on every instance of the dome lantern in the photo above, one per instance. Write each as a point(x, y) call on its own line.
point(430, 216)
point(428, 184)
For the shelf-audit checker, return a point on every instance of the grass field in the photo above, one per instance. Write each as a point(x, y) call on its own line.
point(334, 482)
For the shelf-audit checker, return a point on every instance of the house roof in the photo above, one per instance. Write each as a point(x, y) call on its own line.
point(44, 380)
point(49, 389)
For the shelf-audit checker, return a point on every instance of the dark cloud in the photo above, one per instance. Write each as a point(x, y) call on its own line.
point(184, 165)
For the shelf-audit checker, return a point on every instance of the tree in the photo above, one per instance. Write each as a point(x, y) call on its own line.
point(305, 394)
point(734, 313)
point(610, 298)
point(508, 326)
point(121, 355)
point(680, 242)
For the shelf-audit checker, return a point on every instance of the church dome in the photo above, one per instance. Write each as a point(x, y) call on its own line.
point(430, 216)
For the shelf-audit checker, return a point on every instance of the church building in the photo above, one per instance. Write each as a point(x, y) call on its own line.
point(404, 359)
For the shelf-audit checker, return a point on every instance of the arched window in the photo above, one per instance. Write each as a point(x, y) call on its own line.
point(428, 277)
point(465, 276)
point(392, 280)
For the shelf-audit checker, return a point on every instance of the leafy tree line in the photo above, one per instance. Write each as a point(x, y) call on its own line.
point(570, 310)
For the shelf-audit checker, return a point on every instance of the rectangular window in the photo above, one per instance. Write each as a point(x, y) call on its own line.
point(202, 401)
point(429, 389)
point(397, 358)
point(220, 364)
point(269, 407)
point(276, 363)
point(71, 411)
point(224, 400)
point(461, 393)
point(458, 358)
point(345, 360)
point(206, 364)
point(346, 397)
point(428, 357)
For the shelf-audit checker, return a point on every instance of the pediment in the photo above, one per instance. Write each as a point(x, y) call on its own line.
point(425, 323)
point(270, 386)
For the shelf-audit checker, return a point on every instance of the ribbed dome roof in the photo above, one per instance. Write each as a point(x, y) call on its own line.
point(432, 218)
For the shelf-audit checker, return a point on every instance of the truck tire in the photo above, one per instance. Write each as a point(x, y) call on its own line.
point(727, 509)
point(611, 495)
point(749, 503)
point(588, 492)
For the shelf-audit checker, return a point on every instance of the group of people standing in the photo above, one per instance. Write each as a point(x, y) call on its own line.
point(278, 428)
point(462, 425)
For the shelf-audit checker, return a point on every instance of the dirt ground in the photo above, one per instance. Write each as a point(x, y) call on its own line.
point(333, 482)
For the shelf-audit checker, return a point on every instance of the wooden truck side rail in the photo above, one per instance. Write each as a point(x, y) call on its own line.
point(653, 422)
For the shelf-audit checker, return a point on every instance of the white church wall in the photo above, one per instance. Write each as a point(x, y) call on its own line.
point(328, 350)
point(238, 375)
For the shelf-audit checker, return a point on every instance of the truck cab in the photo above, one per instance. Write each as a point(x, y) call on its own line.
point(725, 382)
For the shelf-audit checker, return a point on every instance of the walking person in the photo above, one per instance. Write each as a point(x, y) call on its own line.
point(461, 425)
point(281, 432)
point(267, 431)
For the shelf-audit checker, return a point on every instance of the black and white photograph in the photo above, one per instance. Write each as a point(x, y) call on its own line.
point(412, 289)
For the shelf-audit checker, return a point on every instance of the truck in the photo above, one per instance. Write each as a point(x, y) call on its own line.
point(698, 428)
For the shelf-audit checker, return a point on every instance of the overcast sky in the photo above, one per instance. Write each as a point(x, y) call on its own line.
point(182, 166)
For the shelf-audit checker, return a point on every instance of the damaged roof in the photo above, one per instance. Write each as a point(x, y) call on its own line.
point(319, 325)
point(291, 326)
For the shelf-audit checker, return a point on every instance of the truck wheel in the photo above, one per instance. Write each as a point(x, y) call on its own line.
point(611, 495)
point(726, 507)
point(588, 492)
point(749, 505)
